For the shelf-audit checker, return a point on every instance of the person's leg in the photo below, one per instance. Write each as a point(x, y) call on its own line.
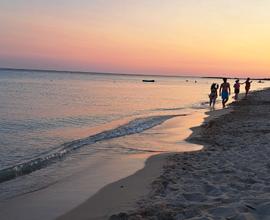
point(246, 92)
point(223, 103)
point(225, 100)
point(214, 102)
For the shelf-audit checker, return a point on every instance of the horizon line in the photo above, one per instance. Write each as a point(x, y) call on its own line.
point(92, 72)
point(115, 73)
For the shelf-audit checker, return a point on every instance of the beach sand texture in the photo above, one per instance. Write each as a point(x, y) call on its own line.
point(228, 179)
point(120, 195)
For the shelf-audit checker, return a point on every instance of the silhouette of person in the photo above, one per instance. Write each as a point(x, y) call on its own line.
point(236, 89)
point(224, 91)
point(213, 94)
point(247, 87)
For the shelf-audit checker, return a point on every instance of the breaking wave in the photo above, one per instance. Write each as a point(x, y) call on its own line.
point(135, 126)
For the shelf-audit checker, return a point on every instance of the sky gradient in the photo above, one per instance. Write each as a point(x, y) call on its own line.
point(176, 37)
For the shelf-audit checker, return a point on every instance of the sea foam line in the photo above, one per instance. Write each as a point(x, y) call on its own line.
point(135, 126)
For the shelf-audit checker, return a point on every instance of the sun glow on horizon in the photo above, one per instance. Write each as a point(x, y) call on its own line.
point(153, 37)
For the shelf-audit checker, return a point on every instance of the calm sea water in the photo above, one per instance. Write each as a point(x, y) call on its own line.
point(55, 121)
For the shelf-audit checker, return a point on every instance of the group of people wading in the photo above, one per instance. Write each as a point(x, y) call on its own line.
point(225, 91)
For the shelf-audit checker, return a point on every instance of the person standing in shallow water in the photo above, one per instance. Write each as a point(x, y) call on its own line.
point(247, 87)
point(236, 89)
point(213, 95)
point(224, 91)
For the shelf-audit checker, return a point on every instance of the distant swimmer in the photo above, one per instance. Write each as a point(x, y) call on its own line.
point(247, 87)
point(224, 91)
point(236, 89)
point(213, 94)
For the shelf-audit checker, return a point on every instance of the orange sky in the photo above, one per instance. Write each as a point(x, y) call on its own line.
point(177, 37)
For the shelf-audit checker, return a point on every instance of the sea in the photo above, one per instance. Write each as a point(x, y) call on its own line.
point(71, 133)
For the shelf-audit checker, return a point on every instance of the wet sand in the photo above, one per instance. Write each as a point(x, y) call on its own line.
point(120, 196)
point(123, 195)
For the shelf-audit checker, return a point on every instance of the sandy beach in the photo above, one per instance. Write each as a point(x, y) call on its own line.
point(227, 179)
point(121, 195)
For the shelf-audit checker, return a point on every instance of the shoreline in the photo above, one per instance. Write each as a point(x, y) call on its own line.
point(93, 208)
point(103, 204)
point(133, 195)
point(227, 179)
point(72, 192)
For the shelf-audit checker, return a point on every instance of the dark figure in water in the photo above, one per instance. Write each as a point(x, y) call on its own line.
point(213, 94)
point(236, 89)
point(224, 91)
point(247, 87)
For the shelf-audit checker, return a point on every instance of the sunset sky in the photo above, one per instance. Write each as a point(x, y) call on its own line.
point(174, 37)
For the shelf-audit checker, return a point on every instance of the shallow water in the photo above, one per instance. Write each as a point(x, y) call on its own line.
point(65, 123)
point(39, 110)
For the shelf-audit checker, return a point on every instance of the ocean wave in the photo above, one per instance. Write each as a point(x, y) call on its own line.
point(135, 126)
point(169, 109)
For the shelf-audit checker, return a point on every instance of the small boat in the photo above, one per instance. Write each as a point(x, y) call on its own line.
point(148, 80)
point(260, 81)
